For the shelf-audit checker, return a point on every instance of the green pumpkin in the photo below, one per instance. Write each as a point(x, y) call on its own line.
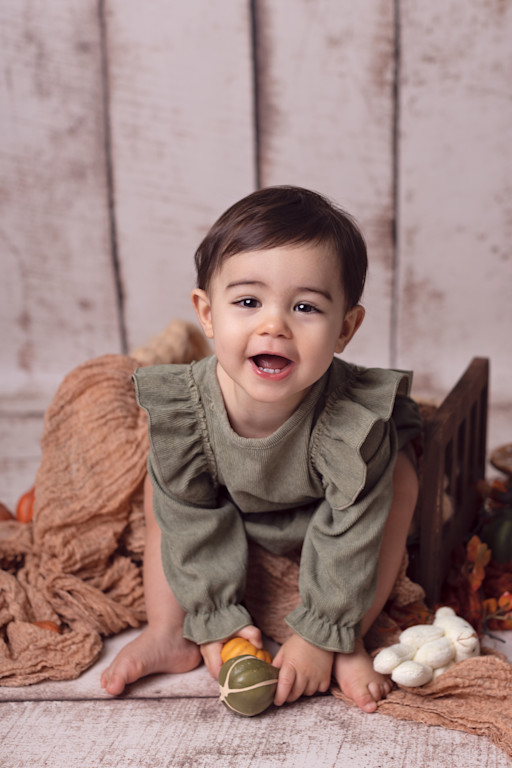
point(498, 536)
point(247, 685)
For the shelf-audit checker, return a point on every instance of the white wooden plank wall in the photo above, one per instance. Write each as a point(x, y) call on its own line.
point(58, 302)
point(326, 118)
point(455, 204)
point(127, 128)
point(181, 115)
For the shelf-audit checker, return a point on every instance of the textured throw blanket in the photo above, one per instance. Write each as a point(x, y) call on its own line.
point(76, 569)
point(473, 696)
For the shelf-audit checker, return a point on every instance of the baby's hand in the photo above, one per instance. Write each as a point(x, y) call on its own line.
point(305, 669)
point(211, 651)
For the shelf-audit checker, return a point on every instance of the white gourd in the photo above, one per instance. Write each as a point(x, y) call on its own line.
point(427, 650)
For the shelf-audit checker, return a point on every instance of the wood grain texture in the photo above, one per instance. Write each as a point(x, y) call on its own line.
point(325, 86)
point(58, 304)
point(455, 207)
point(20, 454)
point(181, 112)
point(177, 720)
point(196, 684)
point(317, 733)
point(183, 144)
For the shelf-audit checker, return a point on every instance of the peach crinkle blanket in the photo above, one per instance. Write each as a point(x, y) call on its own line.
point(79, 563)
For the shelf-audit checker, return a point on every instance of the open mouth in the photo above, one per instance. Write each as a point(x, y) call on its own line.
point(271, 364)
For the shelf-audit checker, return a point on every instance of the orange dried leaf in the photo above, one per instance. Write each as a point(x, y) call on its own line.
point(490, 606)
point(476, 577)
point(472, 549)
point(479, 555)
point(505, 601)
point(483, 557)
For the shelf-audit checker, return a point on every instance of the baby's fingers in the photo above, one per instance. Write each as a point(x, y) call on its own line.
point(252, 634)
point(288, 685)
point(212, 658)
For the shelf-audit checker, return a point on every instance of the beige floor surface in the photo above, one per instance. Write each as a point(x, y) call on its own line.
point(177, 721)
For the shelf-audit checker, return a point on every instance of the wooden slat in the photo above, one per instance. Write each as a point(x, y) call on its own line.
point(58, 305)
point(321, 732)
point(325, 86)
point(443, 459)
point(181, 111)
point(455, 206)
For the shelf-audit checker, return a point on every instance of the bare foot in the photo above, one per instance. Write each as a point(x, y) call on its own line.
point(358, 680)
point(154, 650)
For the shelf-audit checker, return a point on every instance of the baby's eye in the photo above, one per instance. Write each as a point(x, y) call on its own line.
point(248, 302)
point(305, 307)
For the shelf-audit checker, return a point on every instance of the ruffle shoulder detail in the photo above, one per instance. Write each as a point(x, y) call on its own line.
point(354, 437)
point(180, 456)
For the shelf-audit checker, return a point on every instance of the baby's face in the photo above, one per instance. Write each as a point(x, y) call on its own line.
point(277, 317)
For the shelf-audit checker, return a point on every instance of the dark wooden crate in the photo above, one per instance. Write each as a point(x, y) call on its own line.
point(453, 461)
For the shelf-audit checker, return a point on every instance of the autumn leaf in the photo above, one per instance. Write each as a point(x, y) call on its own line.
point(505, 602)
point(478, 555)
point(490, 606)
point(478, 552)
point(472, 549)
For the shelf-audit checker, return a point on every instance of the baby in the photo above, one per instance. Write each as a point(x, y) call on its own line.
point(274, 439)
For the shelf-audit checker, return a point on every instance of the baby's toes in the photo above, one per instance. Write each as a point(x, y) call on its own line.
point(361, 695)
point(379, 689)
point(365, 700)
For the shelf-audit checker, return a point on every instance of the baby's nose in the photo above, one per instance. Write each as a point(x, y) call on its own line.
point(274, 323)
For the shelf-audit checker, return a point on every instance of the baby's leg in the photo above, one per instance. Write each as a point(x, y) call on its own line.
point(161, 646)
point(354, 672)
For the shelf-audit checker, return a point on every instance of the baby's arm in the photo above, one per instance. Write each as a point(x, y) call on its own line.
point(305, 669)
point(211, 651)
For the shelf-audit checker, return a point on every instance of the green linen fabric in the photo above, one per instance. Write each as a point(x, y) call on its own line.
point(322, 481)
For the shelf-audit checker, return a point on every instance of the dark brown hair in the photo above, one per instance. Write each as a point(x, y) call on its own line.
point(281, 216)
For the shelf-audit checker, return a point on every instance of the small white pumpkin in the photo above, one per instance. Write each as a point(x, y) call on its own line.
point(412, 673)
point(427, 650)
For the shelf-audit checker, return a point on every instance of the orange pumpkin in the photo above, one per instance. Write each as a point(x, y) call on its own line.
point(239, 646)
point(47, 624)
point(25, 508)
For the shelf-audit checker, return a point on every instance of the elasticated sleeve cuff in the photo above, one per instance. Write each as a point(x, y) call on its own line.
point(216, 625)
point(321, 632)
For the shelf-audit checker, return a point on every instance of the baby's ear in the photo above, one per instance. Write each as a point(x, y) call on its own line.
point(351, 324)
point(203, 309)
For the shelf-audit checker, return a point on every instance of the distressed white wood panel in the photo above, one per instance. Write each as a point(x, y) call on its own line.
point(195, 684)
point(320, 732)
point(183, 142)
point(326, 74)
point(20, 454)
point(455, 206)
point(57, 294)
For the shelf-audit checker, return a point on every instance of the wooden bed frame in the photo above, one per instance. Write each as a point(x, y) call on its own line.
point(453, 461)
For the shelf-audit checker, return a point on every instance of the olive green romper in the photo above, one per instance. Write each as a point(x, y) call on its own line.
point(323, 480)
